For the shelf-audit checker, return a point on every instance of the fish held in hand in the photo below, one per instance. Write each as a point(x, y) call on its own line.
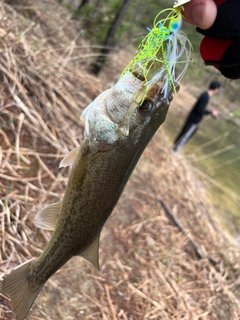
point(101, 168)
point(119, 124)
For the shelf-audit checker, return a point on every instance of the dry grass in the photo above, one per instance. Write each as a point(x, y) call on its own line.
point(149, 269)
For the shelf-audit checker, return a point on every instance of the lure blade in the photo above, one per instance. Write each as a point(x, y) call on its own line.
point(178, 3)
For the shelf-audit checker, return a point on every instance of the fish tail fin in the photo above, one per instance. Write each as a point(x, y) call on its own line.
point(16, 287)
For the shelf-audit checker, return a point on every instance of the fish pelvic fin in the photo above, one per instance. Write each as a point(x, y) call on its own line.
point(69, 158)
point(91, 253)
point(47, 217)
point(16, 287)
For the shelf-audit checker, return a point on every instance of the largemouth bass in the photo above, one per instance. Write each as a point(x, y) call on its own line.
point(101, 168)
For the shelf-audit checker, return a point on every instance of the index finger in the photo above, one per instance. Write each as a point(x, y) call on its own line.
point(200, 13)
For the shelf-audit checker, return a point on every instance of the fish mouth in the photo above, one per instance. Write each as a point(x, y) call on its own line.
point(154, 85)
point(156, 93)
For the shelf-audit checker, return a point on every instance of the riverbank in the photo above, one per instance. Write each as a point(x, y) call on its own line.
point(213, 154)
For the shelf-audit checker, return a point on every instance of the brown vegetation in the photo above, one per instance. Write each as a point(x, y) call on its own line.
point(150, 268)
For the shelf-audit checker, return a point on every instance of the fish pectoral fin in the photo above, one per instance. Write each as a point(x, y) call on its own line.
point(91, 253)
point(69, 158)
point(48, 216)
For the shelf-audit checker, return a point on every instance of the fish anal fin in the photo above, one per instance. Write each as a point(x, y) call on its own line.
point(91, 253)
point(16, 287)
point(69, 158)
point(47, 217)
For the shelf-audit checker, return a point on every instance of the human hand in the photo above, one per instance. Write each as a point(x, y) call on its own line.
point(218, 21)
point(214, 113)
point(200, 13)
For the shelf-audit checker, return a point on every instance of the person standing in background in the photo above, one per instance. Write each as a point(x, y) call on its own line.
point(195, 116)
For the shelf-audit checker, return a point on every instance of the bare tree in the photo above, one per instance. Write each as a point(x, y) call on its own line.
point(97, 66)
point(82, 4)
point(76, 12)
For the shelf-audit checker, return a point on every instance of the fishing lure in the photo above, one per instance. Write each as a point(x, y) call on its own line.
point(159, 53)
point(157, 57)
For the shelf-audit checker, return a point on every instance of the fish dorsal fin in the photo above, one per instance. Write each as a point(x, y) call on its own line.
point(69, 158)
point(91, 253)
point(47, 217)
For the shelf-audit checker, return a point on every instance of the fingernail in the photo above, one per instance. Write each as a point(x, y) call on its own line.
point(199, 15)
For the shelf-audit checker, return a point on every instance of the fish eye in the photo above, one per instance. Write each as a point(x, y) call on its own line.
point(145, 107)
